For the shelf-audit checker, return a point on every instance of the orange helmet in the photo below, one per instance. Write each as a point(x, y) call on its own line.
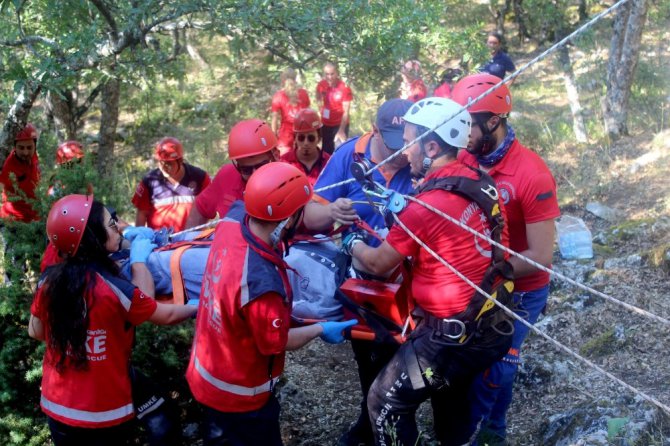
point(169, 149)
point(499, 101)
point(68, 151)
point(307, 120)
point(67, 220)
point(249, 138)
point(276, 191)
point(27, 133)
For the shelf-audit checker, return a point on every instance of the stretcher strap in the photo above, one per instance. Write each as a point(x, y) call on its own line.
point(178, 286)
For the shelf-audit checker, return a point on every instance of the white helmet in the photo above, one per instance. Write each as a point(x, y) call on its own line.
point(430, 112)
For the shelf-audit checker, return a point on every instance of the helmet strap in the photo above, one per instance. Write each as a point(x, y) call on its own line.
point(427, 161)
point(275, 236)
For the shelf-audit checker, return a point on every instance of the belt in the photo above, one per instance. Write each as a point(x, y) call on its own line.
point(458, 328)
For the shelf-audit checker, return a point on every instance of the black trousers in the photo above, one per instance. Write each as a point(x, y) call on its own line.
point(328, 137)
point(429, 365)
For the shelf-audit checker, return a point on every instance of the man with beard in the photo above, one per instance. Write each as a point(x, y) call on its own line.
point(19, 177)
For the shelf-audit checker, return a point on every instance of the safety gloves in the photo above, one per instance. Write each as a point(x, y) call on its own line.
point(351, 240)
point(133, 232)
point(140, 250)
point(332, 331)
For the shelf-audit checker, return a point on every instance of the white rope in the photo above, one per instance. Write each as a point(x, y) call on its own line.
point(510, 77)
point(209, 224)
point(541, 267)
point(562, 347)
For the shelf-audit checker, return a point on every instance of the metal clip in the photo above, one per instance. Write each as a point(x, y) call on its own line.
point(457, 322)
point(491, 191)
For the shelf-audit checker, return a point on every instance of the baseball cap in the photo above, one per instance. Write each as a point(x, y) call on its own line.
point(390, 123)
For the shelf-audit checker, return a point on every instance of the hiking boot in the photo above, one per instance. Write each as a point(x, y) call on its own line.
point(357, 435)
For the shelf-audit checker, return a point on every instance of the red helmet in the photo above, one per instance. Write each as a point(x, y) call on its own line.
point(249, 138)
point(27, 133)
point(499, 101)
point(169, 149)
point(68, 151)
point(276, 191)
point(67, 220)
point(307, 120)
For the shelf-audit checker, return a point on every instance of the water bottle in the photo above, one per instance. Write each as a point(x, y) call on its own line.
point(574, 238)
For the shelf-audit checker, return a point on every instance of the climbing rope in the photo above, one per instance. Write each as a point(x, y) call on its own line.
point(539, 266)
point(556, 343)
point(510, 77)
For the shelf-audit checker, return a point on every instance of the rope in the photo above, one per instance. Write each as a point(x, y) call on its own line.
point(510, 77)
point(542, 267)
point(209, 224)
point(560, 346)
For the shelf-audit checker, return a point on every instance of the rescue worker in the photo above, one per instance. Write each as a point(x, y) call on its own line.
point(306, 154)
point(166, 194)
point(286, 103)
point(447, 349)
point(19, 177)
point(82, 311)
point(67, 154)
point(251, 144)
point(334, 98)
point(412, 86)
point(528, 190)
point(242, 330)
point(347, 203)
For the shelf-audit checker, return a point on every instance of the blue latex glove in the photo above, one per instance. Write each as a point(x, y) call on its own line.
point(140, 250)
point(133, 232)
point(350, 240)
point(332, 331)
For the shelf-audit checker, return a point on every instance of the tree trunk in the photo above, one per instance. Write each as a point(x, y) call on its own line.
point(573, 94)
point(109, 118)
point(499, 14)
point(520, 20)
point(623, 58)
point(193, 51)
point(17, 117)
point(61, 107)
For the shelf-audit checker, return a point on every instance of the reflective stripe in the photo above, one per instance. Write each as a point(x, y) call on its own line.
point(233, 388)
point(244, 283)
point(125, 302)
point(179, 199)
point(85, 415)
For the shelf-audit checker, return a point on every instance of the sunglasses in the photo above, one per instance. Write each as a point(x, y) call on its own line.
point(310, 138)
point(248, 170)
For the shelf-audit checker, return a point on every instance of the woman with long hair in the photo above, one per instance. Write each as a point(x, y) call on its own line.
point(286, 103)
point(85, 312)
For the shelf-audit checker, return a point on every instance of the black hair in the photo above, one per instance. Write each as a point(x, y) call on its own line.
point(66, 285)
point(500, 38)
point(446, 149)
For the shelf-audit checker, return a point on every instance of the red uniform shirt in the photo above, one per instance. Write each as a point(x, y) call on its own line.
point(26, 177)
point(314, 172)
point(99, 395)
point(282, 105)
point(435, 287)
point(333, 97)
point(528, 190)
point(167, 204)
point(242, 324)
point(443, 91)
point(226, 188)
point(415, 91)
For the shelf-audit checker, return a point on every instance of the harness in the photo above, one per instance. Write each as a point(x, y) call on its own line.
point(481, 313)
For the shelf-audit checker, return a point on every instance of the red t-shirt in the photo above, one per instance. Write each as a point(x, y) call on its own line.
point(226, 188)
point(435, 287)
point(287, 110)
point(333, 97)
point(167, 204)
point(99, 395)
point(314, 172)
point(528, 190)
point(26, 177)
point(443, 91)
point(414, 92)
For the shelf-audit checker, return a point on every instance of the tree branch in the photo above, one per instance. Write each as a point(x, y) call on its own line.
point(107, 15)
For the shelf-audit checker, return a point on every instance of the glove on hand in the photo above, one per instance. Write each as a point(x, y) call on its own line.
point(350, 240)
point(332, 331)
point(133, 232)
point(140, 250)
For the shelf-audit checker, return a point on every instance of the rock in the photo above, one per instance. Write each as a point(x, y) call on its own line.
point(602, 211)
point(661, 226)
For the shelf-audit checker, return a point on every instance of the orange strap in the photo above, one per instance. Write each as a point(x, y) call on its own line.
point(178, 294)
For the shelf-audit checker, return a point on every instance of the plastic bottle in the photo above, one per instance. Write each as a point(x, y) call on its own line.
point(574, 238)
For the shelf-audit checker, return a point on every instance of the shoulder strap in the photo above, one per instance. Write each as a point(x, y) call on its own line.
point(482, 191)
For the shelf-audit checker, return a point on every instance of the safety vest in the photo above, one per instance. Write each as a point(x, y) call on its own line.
point(227, 372)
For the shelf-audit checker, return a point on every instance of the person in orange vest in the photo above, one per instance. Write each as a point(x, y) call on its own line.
point(166, 194)
point(242, 330)
point(84, 311)
point(20, 176)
